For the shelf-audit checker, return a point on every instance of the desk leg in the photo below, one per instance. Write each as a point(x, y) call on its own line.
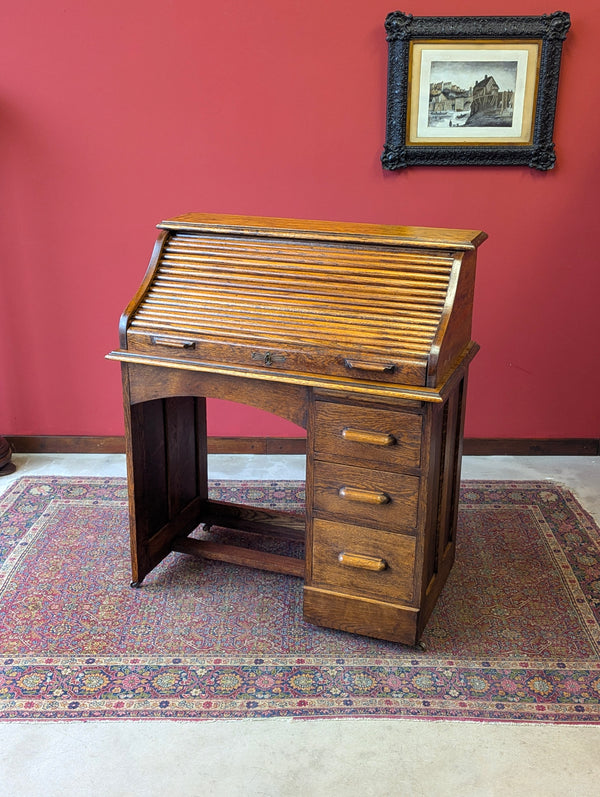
point(167, 475)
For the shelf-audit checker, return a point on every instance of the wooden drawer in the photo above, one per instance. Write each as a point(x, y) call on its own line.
point(385, 438)
point(363, 561)
point(367, 497)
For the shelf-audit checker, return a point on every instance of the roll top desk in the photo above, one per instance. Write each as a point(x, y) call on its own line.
point(359, 333)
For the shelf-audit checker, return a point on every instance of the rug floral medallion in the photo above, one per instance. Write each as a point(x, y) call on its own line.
point(515, 635)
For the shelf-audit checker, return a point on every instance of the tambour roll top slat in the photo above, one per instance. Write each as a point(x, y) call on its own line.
point(365, 302)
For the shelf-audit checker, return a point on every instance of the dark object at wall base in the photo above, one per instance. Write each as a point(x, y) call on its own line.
point(6, 466)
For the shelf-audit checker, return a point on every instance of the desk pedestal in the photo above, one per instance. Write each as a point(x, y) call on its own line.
point(382, 482)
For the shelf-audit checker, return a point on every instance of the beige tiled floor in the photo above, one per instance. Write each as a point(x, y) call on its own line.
point(304, 759)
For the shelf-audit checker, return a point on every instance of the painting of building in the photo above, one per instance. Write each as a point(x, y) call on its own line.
point(491, 107)
point(473, 94)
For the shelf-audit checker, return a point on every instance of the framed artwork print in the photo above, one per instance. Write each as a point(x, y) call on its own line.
point(472, 90)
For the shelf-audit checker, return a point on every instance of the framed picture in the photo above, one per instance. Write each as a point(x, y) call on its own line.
point(472, 90)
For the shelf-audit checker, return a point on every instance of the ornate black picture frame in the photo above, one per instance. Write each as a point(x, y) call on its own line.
point(472, 91)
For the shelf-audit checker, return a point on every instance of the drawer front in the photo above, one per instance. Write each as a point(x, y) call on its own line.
point(367, 497)
point(385, 438)
point(363, 561)
point(171, 336)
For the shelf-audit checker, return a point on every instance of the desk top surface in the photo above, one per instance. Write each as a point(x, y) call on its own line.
point(426, 237)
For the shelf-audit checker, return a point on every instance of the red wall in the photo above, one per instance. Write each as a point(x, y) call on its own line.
point(115, 114)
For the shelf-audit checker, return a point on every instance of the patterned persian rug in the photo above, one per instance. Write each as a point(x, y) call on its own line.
point(515, 635)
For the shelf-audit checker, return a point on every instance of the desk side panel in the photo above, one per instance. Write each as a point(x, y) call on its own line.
point(167, 473)
point(454, 334)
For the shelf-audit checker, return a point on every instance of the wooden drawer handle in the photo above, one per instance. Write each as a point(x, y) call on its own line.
point(370, 438)
point(362, 562)
point(363, 496)
point(366, 365)
point(174, 343)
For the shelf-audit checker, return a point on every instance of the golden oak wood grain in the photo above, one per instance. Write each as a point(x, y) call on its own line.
point(342, 553)
point(386, 439)
point(245, 557)
point(360, 334)
point(376, 498)
point(427, 237)
point(320, 297)
point(367, 437)
point(362, 562)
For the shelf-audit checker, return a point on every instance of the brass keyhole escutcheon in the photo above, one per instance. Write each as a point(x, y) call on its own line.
point(268, 358)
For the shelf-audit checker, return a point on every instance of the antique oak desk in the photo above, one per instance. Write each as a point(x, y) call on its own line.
point(359, 333)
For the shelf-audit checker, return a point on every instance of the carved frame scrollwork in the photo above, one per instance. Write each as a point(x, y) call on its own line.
point(402, 29)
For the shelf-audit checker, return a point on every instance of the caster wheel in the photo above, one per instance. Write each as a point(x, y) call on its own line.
point(135, 584)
